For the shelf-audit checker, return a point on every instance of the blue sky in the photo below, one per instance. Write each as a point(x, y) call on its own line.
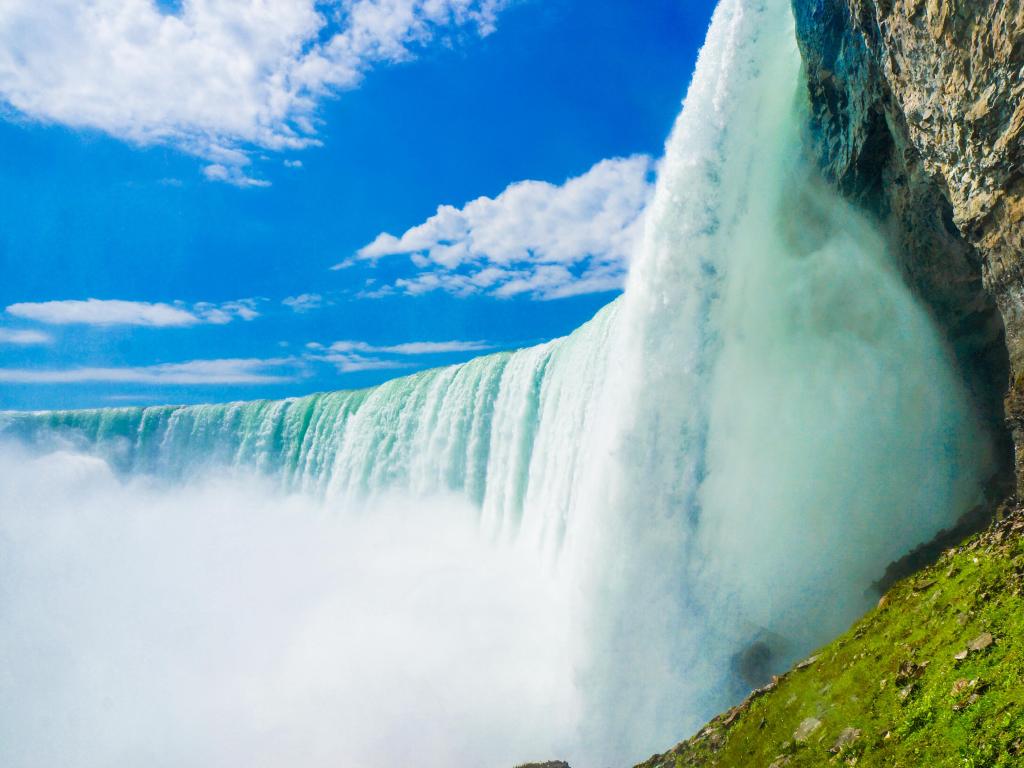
point(201, 205)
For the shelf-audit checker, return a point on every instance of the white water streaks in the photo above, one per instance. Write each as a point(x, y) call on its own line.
point(730, 454)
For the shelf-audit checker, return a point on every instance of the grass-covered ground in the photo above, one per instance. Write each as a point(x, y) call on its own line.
point(933, 677)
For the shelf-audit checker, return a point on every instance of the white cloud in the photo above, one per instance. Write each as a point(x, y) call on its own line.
point(232, 174)
point(345, 356)
point(304, 302)
point(534, 238)
point(345, 264)
point(215, 79)
point(24, 338)
point(436, 347)
point(411, 347)
point(224, 313)
point(351, 356)
point(352, 363)
point(229, 371)
point(106, 312)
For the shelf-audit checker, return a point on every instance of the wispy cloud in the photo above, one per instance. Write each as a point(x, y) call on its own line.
point(225, 312)
point(343, 356)
point(24, 338)
point(215, 79)
point(233, 174)
point(107, 312)
point(351, 356)
point(346, 362)
point(304, 302)
point(407, 348)
point(195, 372)
point(544, 240)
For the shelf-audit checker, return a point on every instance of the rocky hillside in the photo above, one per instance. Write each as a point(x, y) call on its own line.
point(918, 116)
point(934, 676)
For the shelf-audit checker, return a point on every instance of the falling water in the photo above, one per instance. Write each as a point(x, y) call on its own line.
point(729, 454)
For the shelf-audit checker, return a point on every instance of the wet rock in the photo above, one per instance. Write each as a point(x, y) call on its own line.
point(731, 716)
point(805, 729)
point(807, 662)
point(847, 737)
point(981, 642)
point(966, 692)
point(910, 670)
point(754, 664)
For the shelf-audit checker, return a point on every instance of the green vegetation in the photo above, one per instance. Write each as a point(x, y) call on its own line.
point(933, 677)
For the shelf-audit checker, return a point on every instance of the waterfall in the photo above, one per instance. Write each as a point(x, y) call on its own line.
point(726, 456)
point(502, 430)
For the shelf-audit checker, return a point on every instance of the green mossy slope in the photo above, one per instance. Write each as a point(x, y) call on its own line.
point(933, 677)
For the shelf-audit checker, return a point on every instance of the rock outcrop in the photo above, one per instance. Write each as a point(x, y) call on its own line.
point(917, 114)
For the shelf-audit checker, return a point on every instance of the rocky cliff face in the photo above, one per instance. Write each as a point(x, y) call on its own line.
point(917, 114)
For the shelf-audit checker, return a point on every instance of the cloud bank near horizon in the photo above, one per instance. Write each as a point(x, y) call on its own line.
point(229, 371)
point(351, 356)
point(343, 356)
point(24, 337)
point(109, 312)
